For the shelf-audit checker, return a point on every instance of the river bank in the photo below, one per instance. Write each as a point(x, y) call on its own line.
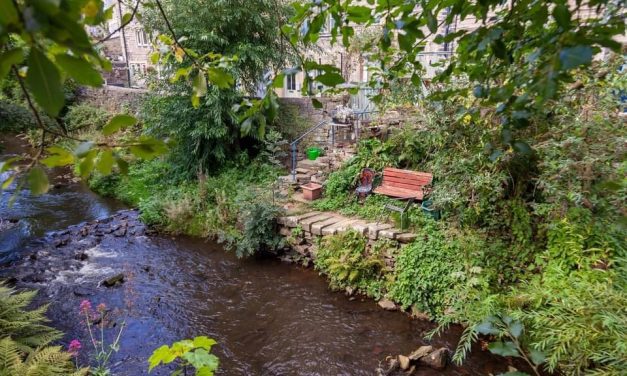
point(268, 318)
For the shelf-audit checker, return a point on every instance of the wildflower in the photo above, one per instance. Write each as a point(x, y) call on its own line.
point(85, 306)
point(74, 347)
point(101, 307)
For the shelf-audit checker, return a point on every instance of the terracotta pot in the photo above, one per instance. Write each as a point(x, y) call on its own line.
point(311, 191)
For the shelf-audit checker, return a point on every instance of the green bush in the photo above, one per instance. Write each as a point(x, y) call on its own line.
point(14, 118)
point(423, 275)
point(348, 261)
point(85, 117)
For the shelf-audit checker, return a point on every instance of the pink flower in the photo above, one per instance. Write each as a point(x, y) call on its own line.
point(101, 307)
point(75, 346)
point(85, 306)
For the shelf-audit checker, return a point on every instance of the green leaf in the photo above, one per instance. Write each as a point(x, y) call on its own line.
point(126, 18)
point(572, 57)
point(8, 59)
point(44, 81)
point(105, 162)
point(80, 70)
point(8, 13)
point(220, 78)
point(160, 355)
point(83, 148)
point(118, 122)
point(486, 328)
point(522, 147)
point(506, 348)
point(87, 164)
point(330, 79)
point(516, 329)
point(562, 16)
point(201, 358)
point(148, 148)
point(122, 165)
point(537, 357)
point(7, 182)
point(432, 22)
point(358, 13)
point(59, 157)
point(38, 181)
point(316, 103)
point(204, 342)
point(200, 84)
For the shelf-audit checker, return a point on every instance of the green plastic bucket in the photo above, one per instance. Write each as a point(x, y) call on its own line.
point(313, 153)
point(428, 209)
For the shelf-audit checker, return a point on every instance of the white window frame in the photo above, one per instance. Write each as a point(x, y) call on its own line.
point(141, 37)
point(290, 82)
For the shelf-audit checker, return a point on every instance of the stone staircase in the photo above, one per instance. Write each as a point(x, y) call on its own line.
point(317, 171)
point(329, 223)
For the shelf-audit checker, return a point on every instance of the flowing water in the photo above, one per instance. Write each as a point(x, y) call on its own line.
point(269, 318)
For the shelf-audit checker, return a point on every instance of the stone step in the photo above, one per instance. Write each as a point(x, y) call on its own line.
point(308, 222)
point(375, 228)
point(317, 228)
point(339, 227)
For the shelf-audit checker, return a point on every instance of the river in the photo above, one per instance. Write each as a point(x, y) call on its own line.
point(269, 317)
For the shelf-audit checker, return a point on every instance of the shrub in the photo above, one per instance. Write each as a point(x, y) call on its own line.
point(259, 228)
point(85, 117)
point(423, 275)
point(348, 261)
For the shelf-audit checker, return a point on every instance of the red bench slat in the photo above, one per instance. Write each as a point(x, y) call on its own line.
point(399, 192)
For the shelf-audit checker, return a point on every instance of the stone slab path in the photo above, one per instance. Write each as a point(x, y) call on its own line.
point(330, 223)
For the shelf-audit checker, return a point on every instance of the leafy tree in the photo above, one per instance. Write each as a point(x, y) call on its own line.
point(43, 44)
point(518, 60)
point(209, 135)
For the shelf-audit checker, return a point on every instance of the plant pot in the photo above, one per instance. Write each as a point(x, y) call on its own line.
point(311, 191)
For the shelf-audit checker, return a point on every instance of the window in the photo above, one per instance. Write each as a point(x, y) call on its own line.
point(141, 37)
point(328, 25)
point(290, 80)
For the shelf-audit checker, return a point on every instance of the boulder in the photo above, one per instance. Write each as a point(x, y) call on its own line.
point(404, 362)
point(437, 359)
point(421, 352)
point(387, 304)
point(112, 281)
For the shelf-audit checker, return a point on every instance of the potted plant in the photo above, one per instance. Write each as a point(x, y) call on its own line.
point(311, 191)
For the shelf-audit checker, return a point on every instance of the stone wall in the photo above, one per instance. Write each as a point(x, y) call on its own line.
point(112, 98)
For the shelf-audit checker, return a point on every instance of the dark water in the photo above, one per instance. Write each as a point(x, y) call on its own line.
point(31, 217)
point(269, 318)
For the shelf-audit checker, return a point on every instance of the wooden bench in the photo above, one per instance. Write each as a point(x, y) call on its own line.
point(404, 184)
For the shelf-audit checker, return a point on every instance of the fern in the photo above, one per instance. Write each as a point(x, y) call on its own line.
point(24, 349)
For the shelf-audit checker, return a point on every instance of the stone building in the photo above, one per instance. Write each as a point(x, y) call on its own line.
point(128, 49)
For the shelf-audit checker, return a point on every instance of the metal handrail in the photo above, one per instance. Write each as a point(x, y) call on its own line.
point(294, 145)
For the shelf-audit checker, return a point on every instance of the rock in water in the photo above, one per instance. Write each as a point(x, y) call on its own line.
point(421, 352)
point(388, 305)
point(437, 359)
point(404, 362)
point(112, 281)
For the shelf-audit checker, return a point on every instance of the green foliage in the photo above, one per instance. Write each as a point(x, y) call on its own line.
point(423, 274)
point(81, 117)
point(517, 60)
point(260, 233)
point(348, 261)
point(187, 353)
point(14, 118)
point(24, 345)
